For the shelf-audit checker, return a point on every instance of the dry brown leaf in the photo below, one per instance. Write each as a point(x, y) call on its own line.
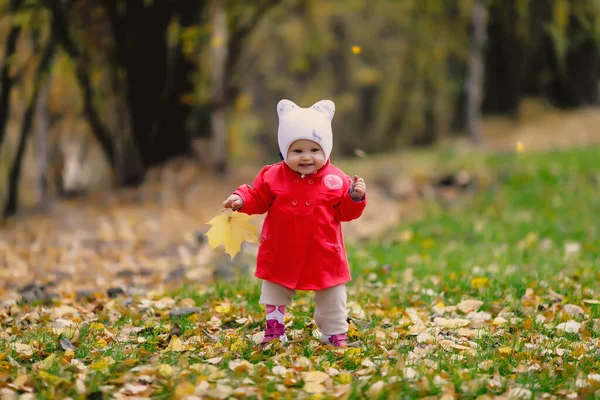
point(315, 376)
point(175, 344)
point(314, 387)
point(569, 326)
point(24, 350)
point(470, 305)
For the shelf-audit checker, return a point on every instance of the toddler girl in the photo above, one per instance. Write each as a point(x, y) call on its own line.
point(301, 243)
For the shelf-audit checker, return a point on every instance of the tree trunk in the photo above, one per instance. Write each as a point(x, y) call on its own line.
point(158, 117)
point(12, 201)
point(505, 62)
point(218, 63)
point(577, 84)
point(476, 73)
point(6, 81)
point(43, 120)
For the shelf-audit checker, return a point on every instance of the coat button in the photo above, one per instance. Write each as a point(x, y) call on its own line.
point(310, 181)
point(307, 203)
point(337, 247)
point(297, 181)
point(294, 202)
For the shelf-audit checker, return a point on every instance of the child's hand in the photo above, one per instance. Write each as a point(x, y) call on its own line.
point(359, 188)
point(234, 202)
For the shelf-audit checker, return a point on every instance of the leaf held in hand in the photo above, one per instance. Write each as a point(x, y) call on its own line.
point(231, 230)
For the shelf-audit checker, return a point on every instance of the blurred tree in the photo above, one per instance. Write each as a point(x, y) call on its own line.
point(542, 48)
point(6, 80)
point(156, 80)
point(476, 71)
point(41, 74)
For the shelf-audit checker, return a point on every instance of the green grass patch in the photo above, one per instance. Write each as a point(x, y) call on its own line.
point(495, 293)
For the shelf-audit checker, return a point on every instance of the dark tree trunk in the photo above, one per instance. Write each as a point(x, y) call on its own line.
point(10, 207)
point(6, 81)
point(505, 62)
point(158, 116)
point(576, 84)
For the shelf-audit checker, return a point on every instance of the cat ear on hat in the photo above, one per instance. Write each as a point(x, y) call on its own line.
point(326, 107)
point(284, 106)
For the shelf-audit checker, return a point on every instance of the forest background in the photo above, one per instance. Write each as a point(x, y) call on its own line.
point(96, 94)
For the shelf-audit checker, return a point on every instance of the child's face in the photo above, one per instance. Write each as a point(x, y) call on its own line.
point(305, 156)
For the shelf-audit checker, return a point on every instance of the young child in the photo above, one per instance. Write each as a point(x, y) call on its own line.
point(301, 243)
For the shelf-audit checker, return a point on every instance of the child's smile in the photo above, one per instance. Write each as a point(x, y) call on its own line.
point(305, 156)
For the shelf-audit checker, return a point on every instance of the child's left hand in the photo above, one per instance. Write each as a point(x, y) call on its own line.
point(359, 188)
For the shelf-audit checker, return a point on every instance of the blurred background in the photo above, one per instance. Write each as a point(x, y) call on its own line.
point(96, 95)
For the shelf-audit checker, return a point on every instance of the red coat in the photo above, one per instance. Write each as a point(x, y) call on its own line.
point(301, 243)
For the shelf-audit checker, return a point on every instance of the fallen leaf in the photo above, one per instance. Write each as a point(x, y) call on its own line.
point(480, 282)
point(314, 388)
point(214, 360)
point(23, 349)
point(573, 310)
point(569, 326)
point(231, 230)
point(375, 389)
point(315, 376)
point(165, 370)
point(470, 305)
point(175, 344)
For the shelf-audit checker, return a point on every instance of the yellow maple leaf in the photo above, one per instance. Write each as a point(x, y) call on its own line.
point(231, 230)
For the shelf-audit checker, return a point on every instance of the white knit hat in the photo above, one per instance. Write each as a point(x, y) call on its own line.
point(312, 123)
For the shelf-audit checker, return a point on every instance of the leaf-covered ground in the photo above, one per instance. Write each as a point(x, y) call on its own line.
point(492, 295)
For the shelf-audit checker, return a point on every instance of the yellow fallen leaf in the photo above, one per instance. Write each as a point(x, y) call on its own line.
point(315, 376)
point(103, 364)
point(184, 389)
point(165, 370)
point(223, 308)
point(96, 326)
point(20, 381)
point(49, 378)
point(231, 230)
point(313, 387)
point(520, 147)
point(175, 344)
point(356, 49)
point(480, 282)
point(48, 362)
point(69, 354)
point(344, 378)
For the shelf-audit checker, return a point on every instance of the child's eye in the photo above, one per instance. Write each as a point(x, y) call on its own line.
point(297, 151)
point(315, 150)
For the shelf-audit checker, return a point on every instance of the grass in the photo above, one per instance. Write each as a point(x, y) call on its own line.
point(493, 294)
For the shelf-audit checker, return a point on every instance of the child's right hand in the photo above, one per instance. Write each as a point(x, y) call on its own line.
point(234, 202)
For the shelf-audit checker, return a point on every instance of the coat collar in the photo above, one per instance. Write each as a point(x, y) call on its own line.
point(315, 174)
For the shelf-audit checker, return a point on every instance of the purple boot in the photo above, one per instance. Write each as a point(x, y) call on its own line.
point(339, 340)
point(274, 330)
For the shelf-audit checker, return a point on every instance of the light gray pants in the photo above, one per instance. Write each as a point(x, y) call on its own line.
point(330, 305)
